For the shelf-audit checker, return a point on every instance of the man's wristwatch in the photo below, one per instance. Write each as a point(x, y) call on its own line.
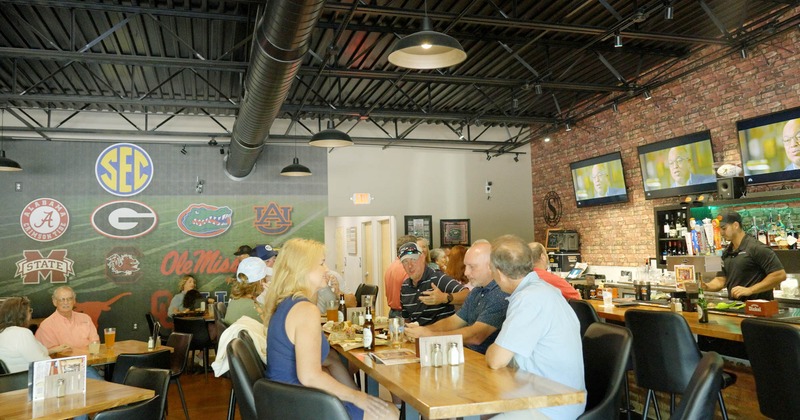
point(449, 298)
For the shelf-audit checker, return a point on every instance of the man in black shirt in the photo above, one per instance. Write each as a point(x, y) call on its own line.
point(750, 269)
point(426, 295)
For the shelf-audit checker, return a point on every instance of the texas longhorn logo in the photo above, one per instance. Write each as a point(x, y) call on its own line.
point(35, 267)
point(44, 219)
point(273, 219)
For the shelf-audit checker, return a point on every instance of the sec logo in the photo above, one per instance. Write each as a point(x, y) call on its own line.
point(124, 169)
point(124, 219)
point(44, 219)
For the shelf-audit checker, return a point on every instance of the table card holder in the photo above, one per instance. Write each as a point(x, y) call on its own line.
point(426, 346)
point(56, 377)
point(683, 274)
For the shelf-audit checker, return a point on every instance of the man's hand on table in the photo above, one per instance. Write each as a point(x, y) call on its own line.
point(413, 330)
point(63, 348)
point(740, 291)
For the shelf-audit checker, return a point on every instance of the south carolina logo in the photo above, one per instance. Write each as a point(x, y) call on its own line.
point(205, 221)
point(124, 169)
point(44, 219)
point(122, 265)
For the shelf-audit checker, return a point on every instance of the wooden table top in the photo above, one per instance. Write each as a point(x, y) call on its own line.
point(468, 389)
point(106, 355)
point(100, 396)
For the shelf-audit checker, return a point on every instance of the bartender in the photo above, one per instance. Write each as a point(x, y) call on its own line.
point(750, 269)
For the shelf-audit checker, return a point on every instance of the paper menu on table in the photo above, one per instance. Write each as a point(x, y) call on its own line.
point(426, 345)
point(46, 376)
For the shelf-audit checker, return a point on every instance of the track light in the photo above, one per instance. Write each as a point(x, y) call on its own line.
point(615, 107)
point(568, 127)
point(743, 52)
point(537, 88)
point(212, 142)
point(617, 40)
point(488, 157)
point(183, 151)
point(547, 139)
point(669, 12)
point(516, 157)
point(221, 150)
point(647, 95)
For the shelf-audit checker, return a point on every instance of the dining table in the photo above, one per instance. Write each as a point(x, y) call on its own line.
point(466, 390)
point(99, 396)
point(109, 355)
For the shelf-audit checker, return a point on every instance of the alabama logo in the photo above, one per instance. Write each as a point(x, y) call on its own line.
point(124, 169)
point(273, 219)
point(122, 265)
point(124, 219)
point(34, 267)
point(204, 220)
point(44, 219)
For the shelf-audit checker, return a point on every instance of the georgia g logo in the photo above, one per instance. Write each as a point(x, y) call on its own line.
point(124, 219)
point(124, 169)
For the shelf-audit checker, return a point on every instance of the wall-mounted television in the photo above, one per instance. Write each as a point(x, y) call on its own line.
point(678, 166)
point(770, 147)
point(599, 180)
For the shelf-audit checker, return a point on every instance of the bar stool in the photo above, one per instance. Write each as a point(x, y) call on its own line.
point(665, 356)
point(774, 352)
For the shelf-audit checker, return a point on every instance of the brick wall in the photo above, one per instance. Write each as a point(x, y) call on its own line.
point(713, 98)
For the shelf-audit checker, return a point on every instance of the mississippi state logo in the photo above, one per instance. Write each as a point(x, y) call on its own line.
point(124, 219)
point(124, 169)
point(204, 220)
point(122, 265)
point(34, 267)
point(273, 219)
point(44, 219)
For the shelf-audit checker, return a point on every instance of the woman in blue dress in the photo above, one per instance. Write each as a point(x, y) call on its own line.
point(297, 349)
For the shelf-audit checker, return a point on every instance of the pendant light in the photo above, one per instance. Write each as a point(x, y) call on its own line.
point(295, 169)
point(6, 164)
point(331, 137)
point(427, 49)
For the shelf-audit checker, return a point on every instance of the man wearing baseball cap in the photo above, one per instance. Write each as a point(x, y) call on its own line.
point(266, 253)
point(750, 269)
point(426, 295)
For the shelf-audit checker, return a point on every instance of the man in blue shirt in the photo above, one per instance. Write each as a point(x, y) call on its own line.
point(484, 311)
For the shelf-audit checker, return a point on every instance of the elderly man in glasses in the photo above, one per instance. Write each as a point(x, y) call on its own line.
point(791, 144)
point(65, 328)
point(679, 163)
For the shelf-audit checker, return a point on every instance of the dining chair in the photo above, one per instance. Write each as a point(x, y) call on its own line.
point(159, 359)
point(606, 351)
point(366, 289)
point(144, 410)
point(201, 340)
point(13, 381)
point(665, 356)
point(245, 370)
point(251, 345)
point(278, 400)
point(180, 354)
point(700, 396)
point(150, 378)
point(163, 333)
point(585, 312)
point(219, 317)
point(773, 349)
point(3, 367)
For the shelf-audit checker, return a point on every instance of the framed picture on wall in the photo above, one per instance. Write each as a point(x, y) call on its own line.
point(420, 226)
point(454, 232)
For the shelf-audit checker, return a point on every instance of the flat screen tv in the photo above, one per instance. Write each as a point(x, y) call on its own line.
point(678, 166)
point(599, 180)
point(770, 147)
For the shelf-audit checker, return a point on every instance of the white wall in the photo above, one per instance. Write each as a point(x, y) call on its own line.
point(443, 184)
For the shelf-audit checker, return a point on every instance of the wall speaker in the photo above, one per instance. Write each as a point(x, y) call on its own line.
point(731, 188)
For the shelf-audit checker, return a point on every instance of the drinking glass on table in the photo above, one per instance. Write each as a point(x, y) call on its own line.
point(94, 347)
point(333, 311)
point(608, 298)
point(110, 336)
point(396, 329)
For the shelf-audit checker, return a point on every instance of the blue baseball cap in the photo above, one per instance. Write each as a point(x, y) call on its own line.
point(264, 252)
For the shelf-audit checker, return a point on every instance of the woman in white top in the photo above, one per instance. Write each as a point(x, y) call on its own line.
point(18, 347)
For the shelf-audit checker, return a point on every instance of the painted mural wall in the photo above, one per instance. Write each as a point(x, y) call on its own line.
point(120, 223)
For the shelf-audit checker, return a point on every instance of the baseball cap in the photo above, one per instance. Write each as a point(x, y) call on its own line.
point(408, 250)
point(244, 249)
point(254, 268)
point(731, 217)
point(264, 252)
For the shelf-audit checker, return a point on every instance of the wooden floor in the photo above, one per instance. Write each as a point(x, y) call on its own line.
point(205, 400)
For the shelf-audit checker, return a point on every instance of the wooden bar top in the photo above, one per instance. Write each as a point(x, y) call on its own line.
point(100, 396)
point(469, 389)
point(106, 355)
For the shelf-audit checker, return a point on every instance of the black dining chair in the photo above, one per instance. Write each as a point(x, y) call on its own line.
point(163, 332)
point(773, 349)
point(665, 356)
point(700, 396)
point(13, 381)
point(219, 324)
point(150, 378)
point(251, 345)
point(366, 289)
point(221, 308)
point(606, 351)
point(585, 312)
point(3, 368)
point(278, 400)
point(159, 359)
point(180, 354)
point(245, 370)
point(144, 410)
point(201, 340)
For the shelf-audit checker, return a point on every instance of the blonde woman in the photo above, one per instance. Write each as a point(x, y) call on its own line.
point(187, 283)
point(297, 349)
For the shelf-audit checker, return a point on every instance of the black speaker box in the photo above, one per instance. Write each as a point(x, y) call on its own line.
point(730, 188)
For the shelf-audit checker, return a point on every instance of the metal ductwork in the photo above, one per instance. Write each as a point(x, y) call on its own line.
point(282, 40)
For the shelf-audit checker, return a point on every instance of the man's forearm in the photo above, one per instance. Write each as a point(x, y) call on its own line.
point(460, 297)
point(772, 281)
point(714, 285)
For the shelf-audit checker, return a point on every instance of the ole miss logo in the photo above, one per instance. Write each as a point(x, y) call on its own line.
point(44, 219)
point(124, 169)
point(273, 219)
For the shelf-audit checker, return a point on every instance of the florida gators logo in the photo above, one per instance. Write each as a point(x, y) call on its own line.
point(124, 169)
point(204, 220)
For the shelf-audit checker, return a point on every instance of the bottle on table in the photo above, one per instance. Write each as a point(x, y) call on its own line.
point(369, 331)
point(453, 356)
point(702, 307)
point(342, 309)
point(437, 357)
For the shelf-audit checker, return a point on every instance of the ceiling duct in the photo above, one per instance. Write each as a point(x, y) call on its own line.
point(282, 39)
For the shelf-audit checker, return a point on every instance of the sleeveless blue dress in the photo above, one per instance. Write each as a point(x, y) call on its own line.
point(281, 361)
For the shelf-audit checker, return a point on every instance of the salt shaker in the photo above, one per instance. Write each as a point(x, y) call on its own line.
point(151, 344)
point(452, 354)
point(61, 388)
point(437, 356)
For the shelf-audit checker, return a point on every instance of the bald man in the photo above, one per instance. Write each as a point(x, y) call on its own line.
point(602, 182)
point(791, 144)
point(66, 328)
point(679, 163)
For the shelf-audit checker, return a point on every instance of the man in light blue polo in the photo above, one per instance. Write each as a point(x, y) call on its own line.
point(541, 332)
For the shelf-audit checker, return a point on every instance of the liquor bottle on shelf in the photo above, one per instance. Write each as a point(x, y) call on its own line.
point(762, 233)
point(772, 233)
point(665, 228)
point(664, 253)
point(679, 225)
point(790, 231)
point(673, 231)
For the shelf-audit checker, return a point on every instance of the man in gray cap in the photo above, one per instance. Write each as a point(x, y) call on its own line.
point(426, 295)
point(750, 269)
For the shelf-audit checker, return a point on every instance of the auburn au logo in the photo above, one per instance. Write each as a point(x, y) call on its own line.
point(124, 169)
point(273, 219)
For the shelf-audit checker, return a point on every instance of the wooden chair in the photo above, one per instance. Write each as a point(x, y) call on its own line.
point(277, 400)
